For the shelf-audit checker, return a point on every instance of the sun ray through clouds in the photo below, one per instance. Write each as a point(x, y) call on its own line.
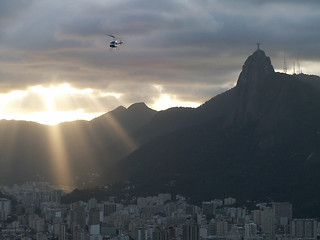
point(81, 143)
point(122, 134)
point(61, 173)
point(111, 126)
point(112, 139)
point(71, 154)
point(80, 149)
point(71, 149)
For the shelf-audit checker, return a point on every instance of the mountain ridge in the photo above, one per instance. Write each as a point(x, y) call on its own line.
point(264, 130)
point(263, 137)
point(90, 146)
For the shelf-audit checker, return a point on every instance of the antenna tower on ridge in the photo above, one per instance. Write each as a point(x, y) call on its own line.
point(285, 64)
point(298, 65)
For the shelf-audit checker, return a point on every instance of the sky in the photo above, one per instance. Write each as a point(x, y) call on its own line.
point(56, 64)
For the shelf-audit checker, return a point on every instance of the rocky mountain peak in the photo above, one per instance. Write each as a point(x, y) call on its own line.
point(250, 86)
point(140, 106)
point(255, 69)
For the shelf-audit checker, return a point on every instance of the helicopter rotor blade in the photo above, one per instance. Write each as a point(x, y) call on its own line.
point(111, 35)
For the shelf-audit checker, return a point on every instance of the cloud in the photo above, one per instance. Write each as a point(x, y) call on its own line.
point(23, 102)
point(192, 50)
point(9, 10)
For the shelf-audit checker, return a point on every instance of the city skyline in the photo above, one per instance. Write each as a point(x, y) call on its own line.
point(44, 212)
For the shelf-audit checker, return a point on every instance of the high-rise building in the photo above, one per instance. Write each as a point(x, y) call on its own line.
point(229, 201)
point(268, 221)
point(164, 196)
point(190, 209)
point(160, 234)
point(79, 233)
point(55, 196)
point(190, 231)
point(109, 208)
point(208, 208)
point(256, 216)
point(222, 228)
point(94, 229)
point(282, 210)
point(170, 208)
point(106, 229)
point(212, 228)
point(78, 216)
point(92, 203)
point(283, 216)
point(94, 216)
point(62, 232)
point(164, 233)
point(5, 208)
point(217, 202)
point(250, 229)
point(304, 228)
point(141, 234)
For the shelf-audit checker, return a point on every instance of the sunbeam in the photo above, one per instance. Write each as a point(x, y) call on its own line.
point(122, 134)
point(61, 174)
point(108, 122)
point(71, 152)
point(82, 151)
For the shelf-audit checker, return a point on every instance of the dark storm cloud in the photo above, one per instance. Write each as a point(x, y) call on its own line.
point(193, 49)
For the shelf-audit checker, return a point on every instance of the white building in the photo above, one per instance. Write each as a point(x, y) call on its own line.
point(229, 201)
point(250, 229)
point(5, 208)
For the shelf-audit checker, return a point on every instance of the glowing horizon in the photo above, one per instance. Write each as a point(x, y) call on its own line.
point(15, 104)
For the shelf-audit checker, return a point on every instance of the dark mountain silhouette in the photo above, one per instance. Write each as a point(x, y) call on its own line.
point(29, 150)
point(258, 140)
point(310, 79)
point(23, 146)
point(234, 106)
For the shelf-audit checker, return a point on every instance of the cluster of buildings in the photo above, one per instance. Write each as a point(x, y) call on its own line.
point(38, 214)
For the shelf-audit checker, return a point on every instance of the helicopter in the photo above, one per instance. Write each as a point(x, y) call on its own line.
point(115, 42)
